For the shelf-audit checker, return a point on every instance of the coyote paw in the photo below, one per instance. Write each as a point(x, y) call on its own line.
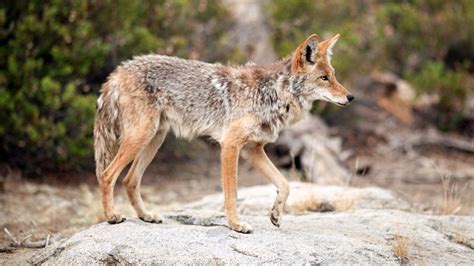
point(149, 218)
point(275, 217)
point(115, 218)
point(241, 228)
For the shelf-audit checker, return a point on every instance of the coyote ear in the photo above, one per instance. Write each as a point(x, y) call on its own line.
point(329, 44)
point(305, 54)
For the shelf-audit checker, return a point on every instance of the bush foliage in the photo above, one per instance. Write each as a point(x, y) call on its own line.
point(54, 55)
point(428, 42)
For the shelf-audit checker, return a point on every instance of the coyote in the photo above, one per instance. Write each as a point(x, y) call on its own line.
point(241, 107)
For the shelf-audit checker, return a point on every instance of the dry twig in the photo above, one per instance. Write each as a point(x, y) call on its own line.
point(26, 243)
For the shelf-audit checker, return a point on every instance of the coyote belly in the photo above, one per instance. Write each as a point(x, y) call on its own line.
point(241, 107)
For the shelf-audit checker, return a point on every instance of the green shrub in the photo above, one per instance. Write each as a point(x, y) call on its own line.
point(55, 54)
point(449, 86)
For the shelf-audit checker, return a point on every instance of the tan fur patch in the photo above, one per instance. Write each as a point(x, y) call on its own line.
point(247, 78)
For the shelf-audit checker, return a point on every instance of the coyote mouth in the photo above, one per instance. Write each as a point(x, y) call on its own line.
point(341, 104)
point(336, 103)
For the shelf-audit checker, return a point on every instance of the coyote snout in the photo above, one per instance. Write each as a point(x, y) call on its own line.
point(242, 108)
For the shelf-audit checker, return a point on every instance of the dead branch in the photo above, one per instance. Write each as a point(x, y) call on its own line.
point(7, 250)
point(32, 244)
point(26, 243)
point(10, 236)
point(443, 141)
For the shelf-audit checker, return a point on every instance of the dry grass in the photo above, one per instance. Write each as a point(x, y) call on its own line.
point(452, 196)
point(400, 248)
point(353, 180)
point(345, 204)
point(312, 203)
point(452, 202)
point(302, 206)
point(315, 204)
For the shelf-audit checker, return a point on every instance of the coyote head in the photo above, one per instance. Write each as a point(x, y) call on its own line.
point(312, 60)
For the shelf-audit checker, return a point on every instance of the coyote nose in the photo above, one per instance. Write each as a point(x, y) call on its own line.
point(350, 98)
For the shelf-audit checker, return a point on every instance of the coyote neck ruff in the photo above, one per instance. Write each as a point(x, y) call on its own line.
point(241, 107)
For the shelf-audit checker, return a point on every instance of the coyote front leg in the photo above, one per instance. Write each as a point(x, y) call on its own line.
point(230, 151)
point(264, 165)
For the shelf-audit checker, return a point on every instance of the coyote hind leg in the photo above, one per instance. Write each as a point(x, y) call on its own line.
point(133, 179)
point(135, 139)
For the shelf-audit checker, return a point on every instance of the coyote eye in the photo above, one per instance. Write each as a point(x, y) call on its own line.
point(325, 78)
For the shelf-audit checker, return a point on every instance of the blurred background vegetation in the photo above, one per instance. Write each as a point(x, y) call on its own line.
point(55, 54)
point(430, 43)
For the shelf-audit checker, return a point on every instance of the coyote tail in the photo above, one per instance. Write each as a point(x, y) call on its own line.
point(107, 128)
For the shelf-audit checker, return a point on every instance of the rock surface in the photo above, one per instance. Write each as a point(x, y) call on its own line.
point(304, 197)
point(361, 236)
point(368, 233)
